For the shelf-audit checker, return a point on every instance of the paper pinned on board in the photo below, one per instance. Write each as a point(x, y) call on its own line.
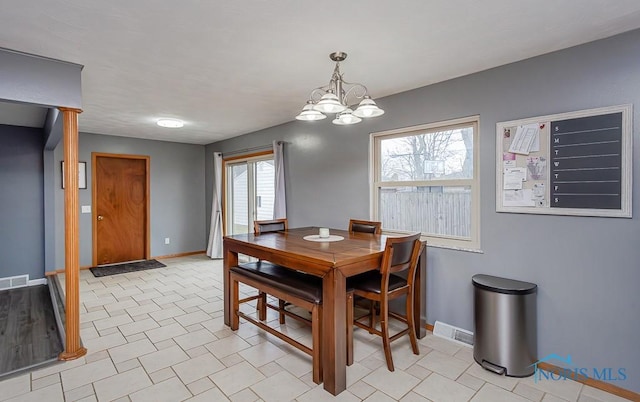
point(513, 178)
point(518, 198)
point(526, 139)
point(509, 164)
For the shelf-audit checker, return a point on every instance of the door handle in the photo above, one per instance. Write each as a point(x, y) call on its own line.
point(100, 217)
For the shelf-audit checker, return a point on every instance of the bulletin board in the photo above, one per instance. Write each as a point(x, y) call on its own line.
point(577, 163)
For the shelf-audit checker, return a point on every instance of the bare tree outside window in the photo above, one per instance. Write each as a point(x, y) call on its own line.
point(425, 181)
point(429, 156)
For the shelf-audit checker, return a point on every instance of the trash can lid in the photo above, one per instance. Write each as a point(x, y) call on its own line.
point(503, 285)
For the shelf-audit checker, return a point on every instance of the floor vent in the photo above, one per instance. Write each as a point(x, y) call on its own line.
point(14, 282)
point(459, 335)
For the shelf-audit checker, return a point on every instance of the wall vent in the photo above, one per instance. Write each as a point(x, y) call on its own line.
point(459, 335)
point(14, 282)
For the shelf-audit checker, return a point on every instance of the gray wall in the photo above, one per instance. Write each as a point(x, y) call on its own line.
point(177, 194)
point(52, 134)
point(21, 200)
point(33, 79)
point(586, 267)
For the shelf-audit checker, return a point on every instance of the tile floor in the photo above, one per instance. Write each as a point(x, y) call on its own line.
point(158, 335)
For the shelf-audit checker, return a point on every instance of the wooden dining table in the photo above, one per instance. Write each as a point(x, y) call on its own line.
point(333, 261)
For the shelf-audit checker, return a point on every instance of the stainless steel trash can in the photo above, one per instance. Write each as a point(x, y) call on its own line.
point(505, 333)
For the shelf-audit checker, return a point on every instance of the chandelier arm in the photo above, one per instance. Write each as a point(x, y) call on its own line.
point(353, 91)
point(317, 93)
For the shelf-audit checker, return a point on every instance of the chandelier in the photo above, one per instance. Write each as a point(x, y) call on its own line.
point(335, 97)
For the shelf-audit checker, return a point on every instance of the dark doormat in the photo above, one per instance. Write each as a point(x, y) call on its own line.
point(125, 268)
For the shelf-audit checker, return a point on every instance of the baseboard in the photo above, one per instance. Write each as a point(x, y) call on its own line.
point(429, 327)
point(61, 271)
point(35, 282)
point(180, 254)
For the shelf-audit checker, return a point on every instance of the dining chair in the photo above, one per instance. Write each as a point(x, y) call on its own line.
point(356, 225)
point(362, 226)
point(272, 225)
point(266, 226)
point(400, 255)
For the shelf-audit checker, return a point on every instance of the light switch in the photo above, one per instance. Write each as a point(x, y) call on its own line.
point(86, 209)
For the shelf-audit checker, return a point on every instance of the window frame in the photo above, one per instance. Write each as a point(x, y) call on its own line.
point(226, 164)
point(376, 184)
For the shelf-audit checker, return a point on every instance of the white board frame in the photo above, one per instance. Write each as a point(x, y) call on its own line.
point(626, 184)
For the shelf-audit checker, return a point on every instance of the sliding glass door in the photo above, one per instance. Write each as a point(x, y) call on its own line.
point(249, 192)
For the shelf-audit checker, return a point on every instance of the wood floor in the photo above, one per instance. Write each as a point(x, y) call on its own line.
point(28, 331)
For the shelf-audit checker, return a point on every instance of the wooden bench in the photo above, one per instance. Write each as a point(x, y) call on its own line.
point(297, 288)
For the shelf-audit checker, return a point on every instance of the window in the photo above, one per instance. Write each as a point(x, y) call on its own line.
point(249, 191)
point(425, 179)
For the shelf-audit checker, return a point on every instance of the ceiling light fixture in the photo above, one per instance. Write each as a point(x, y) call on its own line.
point(170, 123)
point(334, 98)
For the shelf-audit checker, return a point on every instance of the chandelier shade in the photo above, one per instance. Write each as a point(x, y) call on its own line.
point(309, 114)
point(346, 117)
point(368, 108)
point(336, 98)
point(329, 103)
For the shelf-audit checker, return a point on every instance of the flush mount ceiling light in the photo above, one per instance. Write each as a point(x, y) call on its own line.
point(334, 98)
point(170, 123)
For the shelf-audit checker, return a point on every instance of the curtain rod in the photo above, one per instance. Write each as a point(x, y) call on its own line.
point(248, 150)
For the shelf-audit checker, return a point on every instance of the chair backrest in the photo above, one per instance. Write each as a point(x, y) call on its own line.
point(273, 225)
point(356, 225)
point(400, 254)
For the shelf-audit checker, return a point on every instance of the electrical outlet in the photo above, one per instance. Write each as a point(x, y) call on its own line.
point(167, 240)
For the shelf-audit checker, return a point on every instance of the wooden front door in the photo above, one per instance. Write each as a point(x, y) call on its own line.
point(121, 208)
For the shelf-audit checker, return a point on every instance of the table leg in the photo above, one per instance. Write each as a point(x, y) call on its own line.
point(420, 300)
point(230, 260)
point(334, 344)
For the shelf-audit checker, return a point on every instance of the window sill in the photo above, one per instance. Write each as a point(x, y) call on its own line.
point(457, 248)
point(430, 242)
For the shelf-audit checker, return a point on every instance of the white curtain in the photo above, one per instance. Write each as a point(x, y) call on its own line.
point(214, 249)
point(280, 202)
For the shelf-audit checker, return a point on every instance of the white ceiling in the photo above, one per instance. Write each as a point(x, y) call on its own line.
point(232, 67)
